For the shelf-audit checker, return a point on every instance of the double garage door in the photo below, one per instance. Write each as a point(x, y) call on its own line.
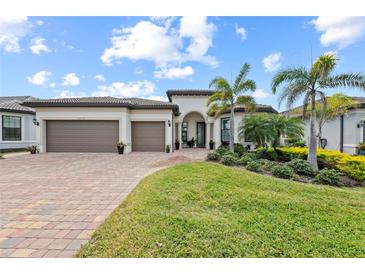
point(101, 136)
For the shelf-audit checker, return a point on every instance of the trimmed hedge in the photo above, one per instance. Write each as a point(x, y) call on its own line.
point(328, 177)
point(229, 160)
point(254, 166)
point(282, 171)
point(214, 156)
point(302, 167)
point(353, 166)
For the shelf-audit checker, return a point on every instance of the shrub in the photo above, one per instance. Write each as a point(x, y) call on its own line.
point(222, 150)
point(302, 167)
point(229, 160)
point(262, 162)
point(252, 155)
point(293, 142)
point(269, 165)
point(328, 177)
point(214, 156)
point(239, 149)
point(253, 166)
point(353, 166)
point(282, 171)
point(244, 160)
point(267, 153)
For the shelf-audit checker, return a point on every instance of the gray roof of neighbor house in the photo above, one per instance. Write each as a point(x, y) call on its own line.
point(189, 92)
point(207, 92)
point(131, 103)
point(14, 104)
point(298, 113)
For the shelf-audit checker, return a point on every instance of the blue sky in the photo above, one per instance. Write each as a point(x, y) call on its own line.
point(50, 57)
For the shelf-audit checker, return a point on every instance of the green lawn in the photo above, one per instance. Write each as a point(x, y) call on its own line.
point(209, 210)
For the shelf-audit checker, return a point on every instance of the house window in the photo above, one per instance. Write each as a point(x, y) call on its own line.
point(12, 128)
point(184, 132)
point(225, 130)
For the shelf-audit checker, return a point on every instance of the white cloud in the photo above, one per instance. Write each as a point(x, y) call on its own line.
point(71, 80)
point(132, 89)
point(39, 23)
point(12, 29)
point(174, 72)
point(200, 33)
point(70, 94)
point(241, 32)
point(138, 70)
point(339, 31)
point(37, 46)
point(40, 78)
point(52, 85)
point(163, 44)
point(260, 94)
point(99, 77)
point(157, 98)
point(272, 62)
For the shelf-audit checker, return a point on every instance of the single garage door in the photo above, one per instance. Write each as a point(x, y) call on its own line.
point(82, 136)
point(148, 136)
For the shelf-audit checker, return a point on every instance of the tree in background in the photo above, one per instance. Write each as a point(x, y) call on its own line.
point(310, 83)
point(226, 97)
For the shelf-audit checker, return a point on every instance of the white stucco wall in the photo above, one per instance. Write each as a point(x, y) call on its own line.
point(28, 134)
point(331, 131)
point(123, 115)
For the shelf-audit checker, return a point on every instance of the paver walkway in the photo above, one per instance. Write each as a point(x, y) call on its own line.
point(51, 203)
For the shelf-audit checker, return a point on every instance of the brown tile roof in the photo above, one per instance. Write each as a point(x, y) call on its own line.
point(132, 103)
point(297, 111)
point(14, 104)
point(187, 92)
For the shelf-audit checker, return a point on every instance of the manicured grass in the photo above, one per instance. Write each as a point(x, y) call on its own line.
point(209, 210)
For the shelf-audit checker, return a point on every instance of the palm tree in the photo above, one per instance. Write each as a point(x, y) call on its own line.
point(311, 83)
point(266, 129)
point(226, 97)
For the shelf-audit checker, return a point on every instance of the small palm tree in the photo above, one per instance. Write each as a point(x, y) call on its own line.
point(310, 83)
point(226, 97)
point(266, 129)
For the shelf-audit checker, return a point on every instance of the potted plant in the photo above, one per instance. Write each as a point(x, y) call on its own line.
point(191, 143)
point(177, 144)
point(211, 144)
point(121, 146)
point(168, 149)
point(33, 149)
point(361, 148)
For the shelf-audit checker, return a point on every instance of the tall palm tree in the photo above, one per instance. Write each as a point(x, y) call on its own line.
point(226, 97)
point(311, 83)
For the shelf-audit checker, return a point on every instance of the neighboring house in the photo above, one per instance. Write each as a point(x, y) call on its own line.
point(96, 124)
point(343, 133)
point(16, 123)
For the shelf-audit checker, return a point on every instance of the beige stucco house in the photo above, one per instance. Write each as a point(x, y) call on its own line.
point(344, 133)
point(96, 124)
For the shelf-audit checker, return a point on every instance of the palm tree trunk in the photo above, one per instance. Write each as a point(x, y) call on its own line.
point(231, 130)
point(312, 151)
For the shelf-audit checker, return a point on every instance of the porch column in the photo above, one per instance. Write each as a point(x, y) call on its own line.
point(179, 133)
point(207, 135)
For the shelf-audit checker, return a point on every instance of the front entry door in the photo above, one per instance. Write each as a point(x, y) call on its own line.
point(200, 134)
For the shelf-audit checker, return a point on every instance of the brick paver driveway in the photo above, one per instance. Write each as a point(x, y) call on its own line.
point(51, 203)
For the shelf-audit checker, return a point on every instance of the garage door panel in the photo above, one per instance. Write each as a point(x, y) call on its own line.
point(82, 136)
point(148, 136)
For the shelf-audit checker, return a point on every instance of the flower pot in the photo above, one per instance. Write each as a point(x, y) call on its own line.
point(33, 151)
point(177, 146)
point(211, 146)
point(121, 150)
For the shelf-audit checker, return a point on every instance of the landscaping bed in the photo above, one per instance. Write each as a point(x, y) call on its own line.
point(210, 210)
point(336, 169)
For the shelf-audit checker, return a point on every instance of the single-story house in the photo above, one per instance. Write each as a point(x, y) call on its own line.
point(96, 124)
point(16, 123)
point(343, 133)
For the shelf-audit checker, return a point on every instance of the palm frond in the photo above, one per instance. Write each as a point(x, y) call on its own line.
point(289, 75)
point(220, 84)
point(241, 75)
point(352, 80)
point(247, 101)
point(216, 97)
point(248, 85)
point(323, 66)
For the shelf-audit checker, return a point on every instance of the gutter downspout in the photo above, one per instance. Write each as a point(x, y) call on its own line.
point(341, 132)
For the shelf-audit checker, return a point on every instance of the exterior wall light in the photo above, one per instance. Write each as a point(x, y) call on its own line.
point(35, 122)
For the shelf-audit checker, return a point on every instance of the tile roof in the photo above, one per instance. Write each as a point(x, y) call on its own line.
point(187, 92)
point(14, 104)
point(297, 111)
point(132, 103)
